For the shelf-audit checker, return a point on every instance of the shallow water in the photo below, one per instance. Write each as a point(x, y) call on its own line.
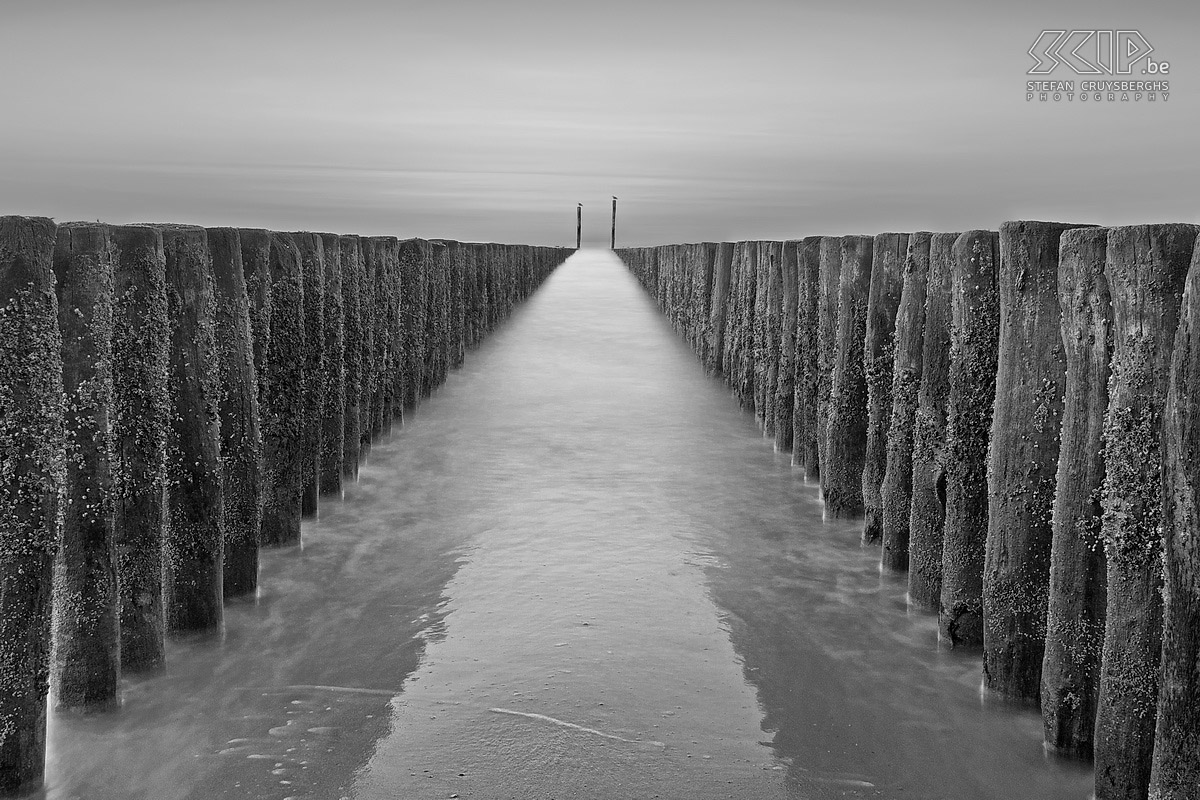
point(579, 571)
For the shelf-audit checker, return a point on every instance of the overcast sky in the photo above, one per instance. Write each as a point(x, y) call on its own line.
point(491, 120)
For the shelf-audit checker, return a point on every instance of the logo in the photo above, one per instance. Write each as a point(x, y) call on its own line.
point(1094, 53)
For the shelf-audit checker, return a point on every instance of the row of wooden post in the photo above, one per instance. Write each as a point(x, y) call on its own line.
point(174, 397)
point(1015, 415)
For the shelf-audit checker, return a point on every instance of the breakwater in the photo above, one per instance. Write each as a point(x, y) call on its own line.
point(173, 399)
point(1011, 413)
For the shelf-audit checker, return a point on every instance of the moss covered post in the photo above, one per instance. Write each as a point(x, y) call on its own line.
point(927, 516)
point(86, 651)
point(719, 316)
point(141, 413)
point(1146, 267)
point(829, 279)
point(241, 441)
point(888, 252)
point(352, 351)
point(1175, 771)
point(31, 479)
point(333, 371)
point(1023, 460)
point(194, 546)
point(974, 332)
point(895, 492)
point(1075, 614)
point(785, 375)
point(312, 267)
point(805, 450)
point(842, 469)
point(86, 654)
point(282, 399)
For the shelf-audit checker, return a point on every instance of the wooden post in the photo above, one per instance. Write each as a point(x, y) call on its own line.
point(578, 225)
point(282, 399)
point(241, 440)
point(1075, 616)
point(888, 251)
point(613, 243)
point(333, 371)
point(895, 493)
point(352, 280)
point(1146, 266)
point(842, 470)
point(974, 332)
point(785, 376)
point(805, 450)
point(829, 278)
point(928, 511)
point(86, 637)
point(194, 546)
point(141, 412)
point(413, 290)
point(1023, 460)
point(721, 297)
point(31, 463)
point(312, 267)
point(1175, 774)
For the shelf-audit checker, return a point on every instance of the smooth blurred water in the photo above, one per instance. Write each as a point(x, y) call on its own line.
point(578, 572)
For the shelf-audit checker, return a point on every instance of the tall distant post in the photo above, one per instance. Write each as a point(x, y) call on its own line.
point(613, 244)
point(578, 225)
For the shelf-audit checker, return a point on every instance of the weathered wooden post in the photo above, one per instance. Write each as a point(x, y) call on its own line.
point(613, 243)
point(31, 466)
point(895, 493)
point(439, 308)
point(771, 260)
point(1023, 460)
point(141, 412)
point(805, 450)
point(413, 290)
point(256, 274)
point(281, 403)
point(974, 332)
point(1175, 773)
point(352, 280)
point(1146, 266)
point(1075, 615)
point(458, 310)
point(312, 267)
point(333, 371)
point(86, 651)
point(785, 375)
point(578, 225)
point(888, 252)
point(368, 314)
point(194, 545)
point(241, 441)
point(829, 278)
point(926, 521)
point(721, 297)
point(841, 471)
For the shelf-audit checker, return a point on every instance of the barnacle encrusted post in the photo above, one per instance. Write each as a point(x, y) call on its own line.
point(888, 252)
point(1146, 267)
point(31, 478)
point(194, 545)
point(927, 513)
point(141, 412)
point(974, 331)
point(895, 491)
point(241, 440)
point(1075, 611)
point(86, 653)
point(842, 470)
